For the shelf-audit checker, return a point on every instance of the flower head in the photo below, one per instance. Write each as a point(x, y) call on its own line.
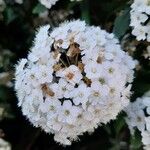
point(74, 79)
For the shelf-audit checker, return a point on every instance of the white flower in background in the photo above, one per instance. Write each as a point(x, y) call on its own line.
point(147, 53)
point(48, 3)
point(146, 139)
point(19, 1)
point(4, 145)
point(135, 115)
point(2, 5)
point(74, 79)
point(140, 11)
point(138, 118)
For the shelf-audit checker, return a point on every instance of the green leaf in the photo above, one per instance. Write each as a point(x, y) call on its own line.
point(85, 14)
point(119, 124)
point(9, 15)
point(122, 22)
point(136, 141)
point(39, 8)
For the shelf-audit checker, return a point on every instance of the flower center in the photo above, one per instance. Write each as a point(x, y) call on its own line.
point(96, 94)
point(93, 70)
point(110, 70)
point(102, 81)
point(112, 90)
point(67, 112)
point(70, 76)
point(32, 76)
point(64, 88)
point(81, 95)
point(139, 119)
point(52, 108)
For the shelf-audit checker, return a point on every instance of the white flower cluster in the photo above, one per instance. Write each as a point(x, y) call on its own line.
point(48, 3)
point(140, 11)
point(138, 116)
point(74, 79)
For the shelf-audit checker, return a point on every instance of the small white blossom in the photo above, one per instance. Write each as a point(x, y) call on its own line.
point(48, 3)
point(72, 74)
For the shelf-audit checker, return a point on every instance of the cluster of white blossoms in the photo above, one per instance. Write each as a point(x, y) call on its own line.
point(140, 11)
point(138, 116)
point(48, 3)
point(75, 78)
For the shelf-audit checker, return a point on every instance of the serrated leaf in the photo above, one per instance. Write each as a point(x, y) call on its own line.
point(39, 8)
point(122, 22)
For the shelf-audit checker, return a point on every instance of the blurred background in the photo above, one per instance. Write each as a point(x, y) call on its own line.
point(18, 23)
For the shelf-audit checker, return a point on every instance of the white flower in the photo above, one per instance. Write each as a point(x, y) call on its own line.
point(51, 106)
point(2, 5)
point(146, 138)
point(147, 119)
point(72, 74)
point(64, 88)
point(48, 3)
point(80, 94)
point(19, 1)
point(146, 102)
point(74, 79)
point(137, 118)
point(68, 113)
point(140, 11)
point(4, 145)
point(140, 32)
point(97, 93)
point(93, 70)
point(45, 74)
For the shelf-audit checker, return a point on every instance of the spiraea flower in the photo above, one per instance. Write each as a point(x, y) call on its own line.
point(48, 3)
point(140, 11)
point(138, 116)
point(75, 78)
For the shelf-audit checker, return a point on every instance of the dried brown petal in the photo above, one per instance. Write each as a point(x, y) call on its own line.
point(57, 67)
point(81, 66)
point(47, 90)
point(73, 50)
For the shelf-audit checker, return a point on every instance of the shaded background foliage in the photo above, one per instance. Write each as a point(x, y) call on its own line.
point(17, 28)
